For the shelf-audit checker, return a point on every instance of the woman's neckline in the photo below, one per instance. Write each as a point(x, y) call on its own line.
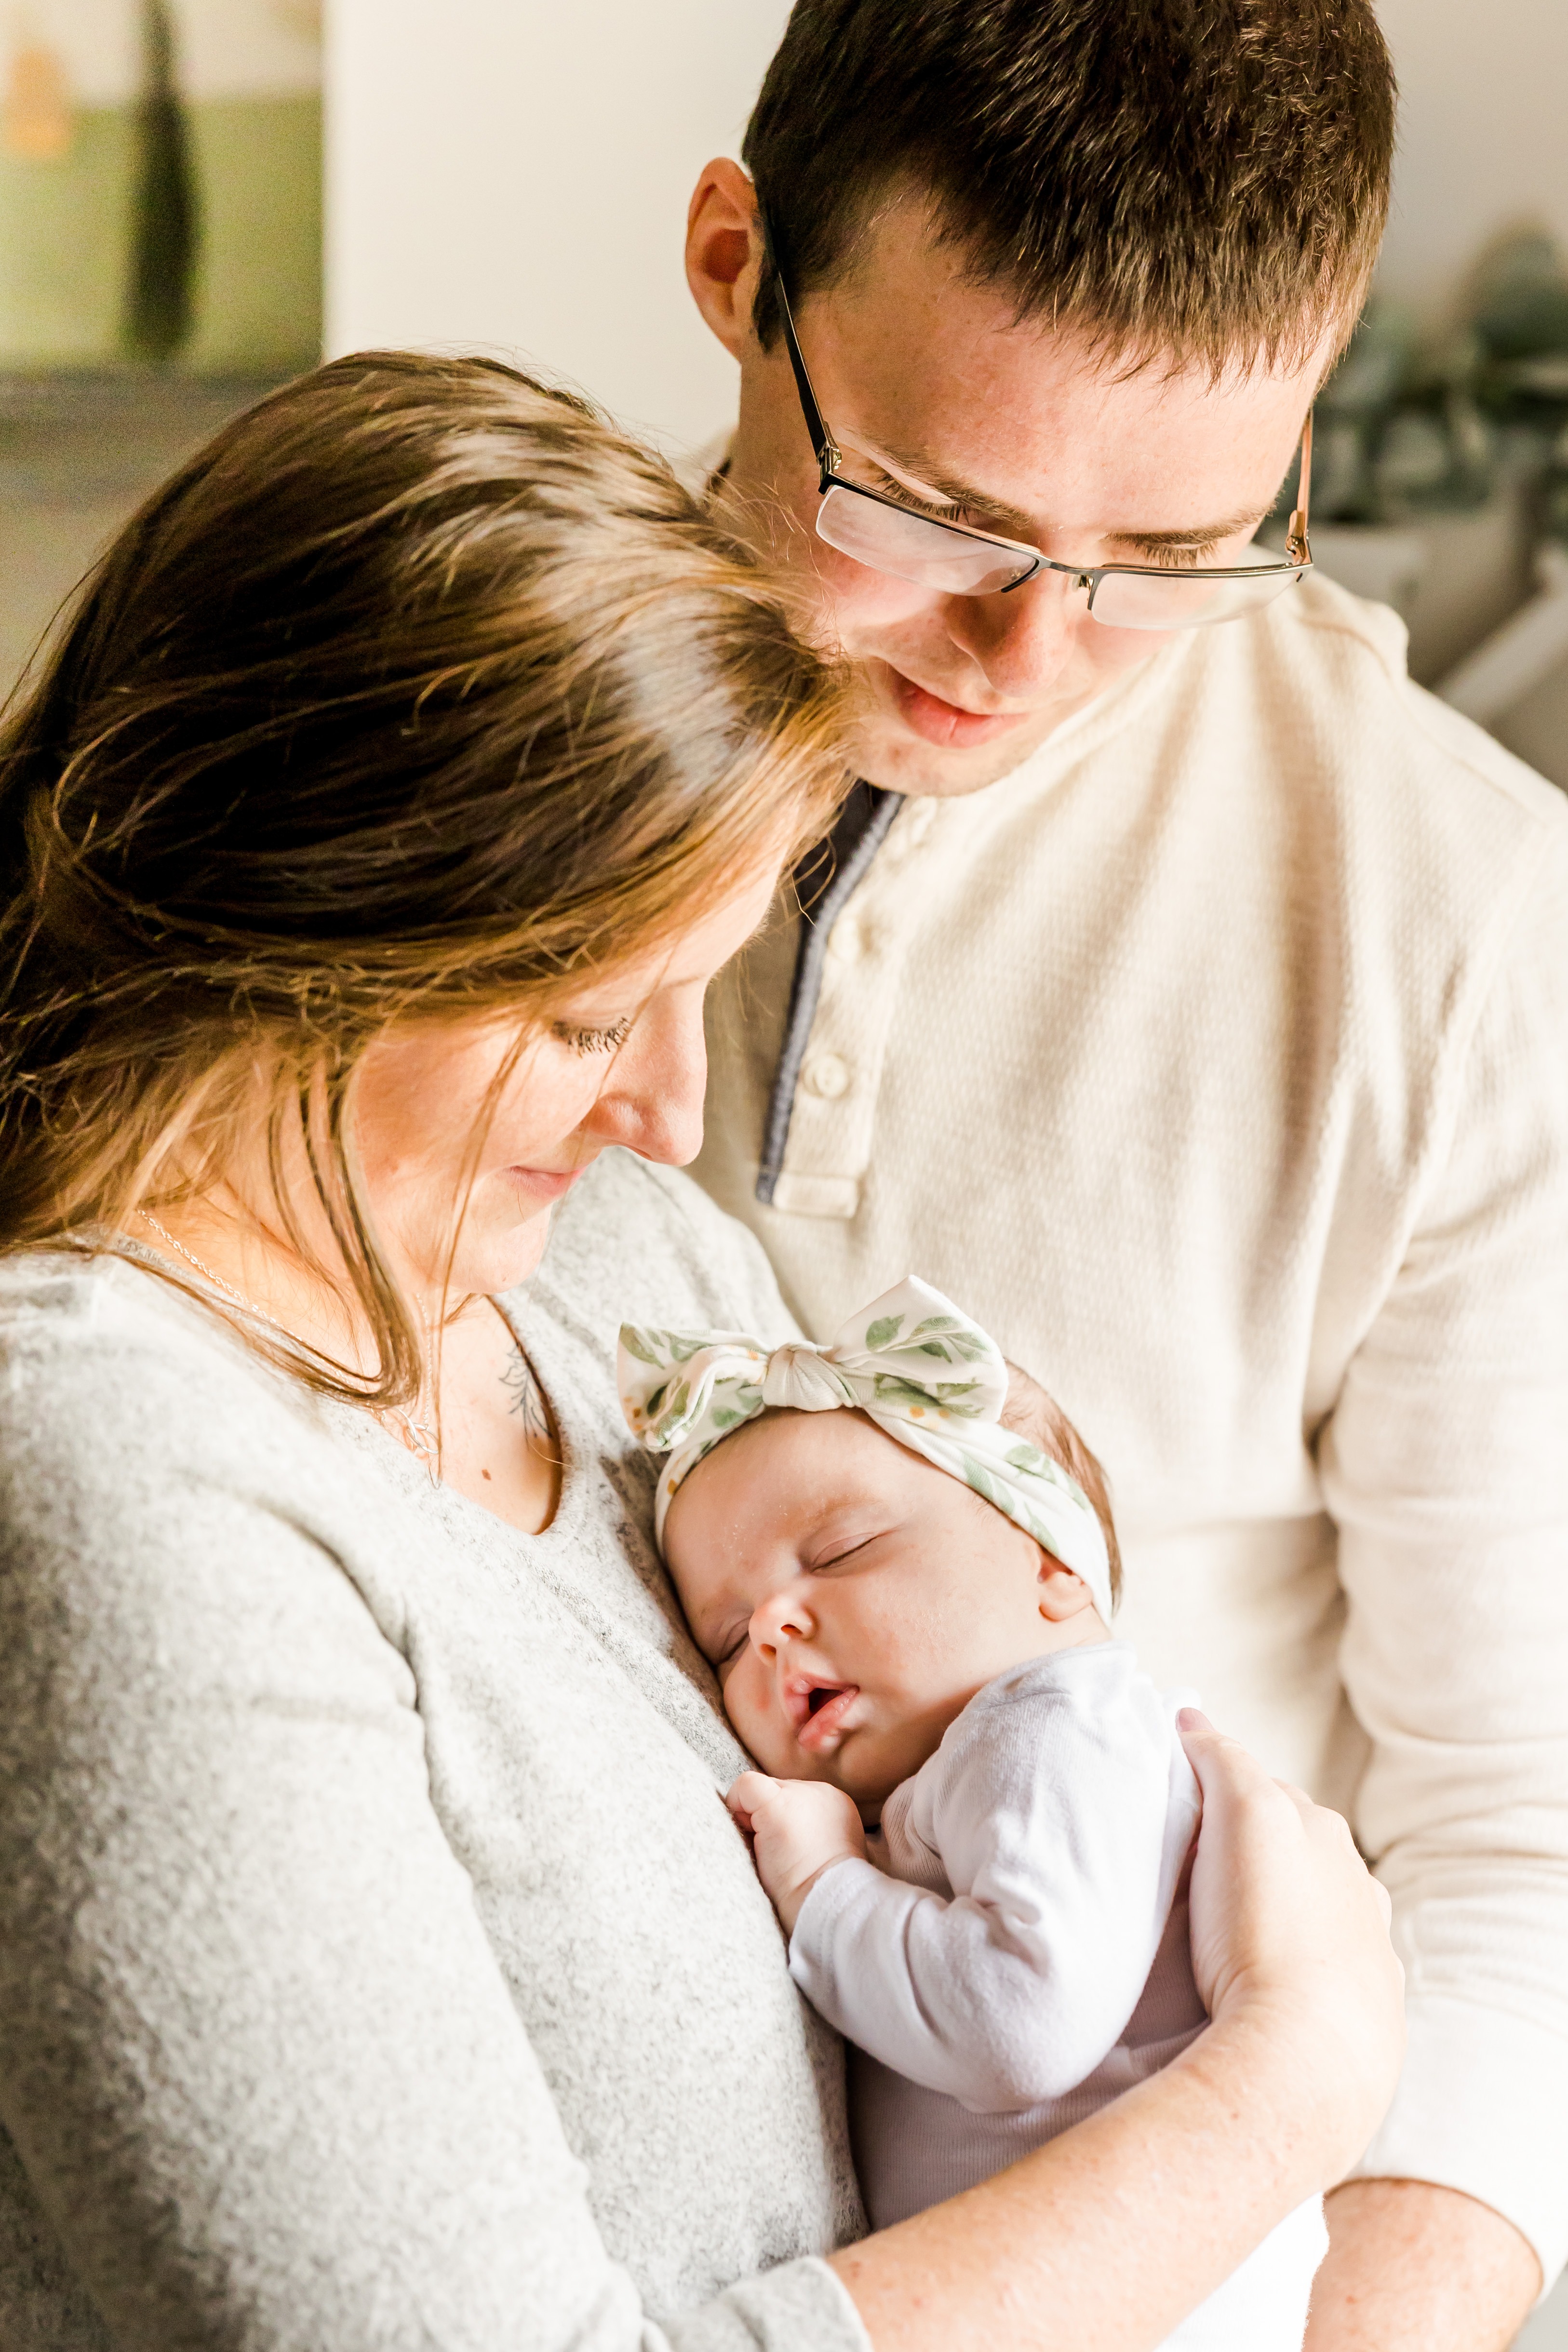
point(358, 1419)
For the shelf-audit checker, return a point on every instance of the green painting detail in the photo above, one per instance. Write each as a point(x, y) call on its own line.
point(67, 243)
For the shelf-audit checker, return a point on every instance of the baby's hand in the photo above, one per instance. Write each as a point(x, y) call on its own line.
point(799, 1829)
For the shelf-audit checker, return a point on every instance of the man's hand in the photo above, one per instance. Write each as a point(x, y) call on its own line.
point(1414, 2268)
point(798, 1828)
point(1289, 1924)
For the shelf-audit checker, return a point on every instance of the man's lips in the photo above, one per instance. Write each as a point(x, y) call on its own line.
point(947, 723)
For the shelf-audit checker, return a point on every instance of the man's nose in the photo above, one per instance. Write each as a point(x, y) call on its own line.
point(1021, 640)
point(652, 1099)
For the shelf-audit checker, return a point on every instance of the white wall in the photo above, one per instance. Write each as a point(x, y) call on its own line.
point(1484, 133)
point(514, 173)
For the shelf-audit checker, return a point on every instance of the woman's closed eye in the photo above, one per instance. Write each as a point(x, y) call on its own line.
point(583, 1039)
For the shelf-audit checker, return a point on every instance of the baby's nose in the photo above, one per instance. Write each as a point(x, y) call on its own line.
point(782, 1617)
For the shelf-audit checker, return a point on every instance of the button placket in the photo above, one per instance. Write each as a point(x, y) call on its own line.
point(831, 1126)
point(847, 940)
point(827, 1076)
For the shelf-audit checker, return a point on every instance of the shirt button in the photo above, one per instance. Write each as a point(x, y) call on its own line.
point(847, 940)
point(827, 1076)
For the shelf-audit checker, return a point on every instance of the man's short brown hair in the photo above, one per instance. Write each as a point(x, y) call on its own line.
point(1033, 1412)
point(1202, 179)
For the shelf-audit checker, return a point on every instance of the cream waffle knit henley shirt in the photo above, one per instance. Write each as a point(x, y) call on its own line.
point(1217, 1060)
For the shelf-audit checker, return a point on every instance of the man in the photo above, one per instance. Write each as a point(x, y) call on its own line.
point(1190, 1001)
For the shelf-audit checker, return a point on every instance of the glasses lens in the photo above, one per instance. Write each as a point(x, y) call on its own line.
point(908, 547)
point(1184, 599)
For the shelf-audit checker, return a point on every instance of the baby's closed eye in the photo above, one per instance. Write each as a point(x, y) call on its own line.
point(723, 1658)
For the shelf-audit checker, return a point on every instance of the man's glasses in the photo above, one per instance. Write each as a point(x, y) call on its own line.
point(876, 531)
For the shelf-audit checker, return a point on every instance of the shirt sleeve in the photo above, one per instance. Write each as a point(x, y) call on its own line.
point(1050, 1817)
point(1446, 1467)
point(256, 2057)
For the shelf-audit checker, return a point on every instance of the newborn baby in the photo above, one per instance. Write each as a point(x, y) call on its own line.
point(903, 1568)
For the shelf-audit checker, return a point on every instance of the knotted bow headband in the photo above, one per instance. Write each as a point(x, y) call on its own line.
point(911, 1362)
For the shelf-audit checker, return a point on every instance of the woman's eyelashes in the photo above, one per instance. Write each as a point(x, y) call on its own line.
point(583, 1040)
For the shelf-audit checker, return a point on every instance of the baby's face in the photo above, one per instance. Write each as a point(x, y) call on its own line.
point(854, 1598)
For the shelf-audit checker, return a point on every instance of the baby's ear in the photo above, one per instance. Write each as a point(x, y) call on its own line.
point(1063, 1592)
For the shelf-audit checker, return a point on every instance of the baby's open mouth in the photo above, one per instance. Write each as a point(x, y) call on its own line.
point(817, 1710)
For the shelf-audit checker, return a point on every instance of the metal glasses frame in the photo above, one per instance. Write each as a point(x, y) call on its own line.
point(1298, 556)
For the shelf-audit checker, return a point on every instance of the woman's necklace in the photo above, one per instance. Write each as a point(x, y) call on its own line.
point(418, 1436)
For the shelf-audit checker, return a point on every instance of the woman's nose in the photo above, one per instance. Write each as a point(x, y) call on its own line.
point(652, 1099)
point(1020, 641)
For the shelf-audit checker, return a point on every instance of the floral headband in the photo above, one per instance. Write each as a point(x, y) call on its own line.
point(911, 1362)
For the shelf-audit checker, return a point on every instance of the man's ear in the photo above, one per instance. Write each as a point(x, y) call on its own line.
point(1063, 1592)
point(724, 252)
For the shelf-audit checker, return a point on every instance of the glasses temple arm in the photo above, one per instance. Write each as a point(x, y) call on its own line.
point(1297, 546)
point(822, 441)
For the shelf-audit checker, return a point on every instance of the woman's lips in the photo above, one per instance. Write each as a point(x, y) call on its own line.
point(947, 723)
point(825, 1726)
point(543, 1183)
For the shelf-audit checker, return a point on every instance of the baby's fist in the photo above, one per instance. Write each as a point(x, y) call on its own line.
point(799, 1829)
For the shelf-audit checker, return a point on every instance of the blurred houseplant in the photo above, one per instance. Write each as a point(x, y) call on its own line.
point(160, 309)
point(1440, 460)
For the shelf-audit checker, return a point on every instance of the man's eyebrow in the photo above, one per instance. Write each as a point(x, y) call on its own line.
point(947, 486)
point(1012, 521)
point(1201, 535)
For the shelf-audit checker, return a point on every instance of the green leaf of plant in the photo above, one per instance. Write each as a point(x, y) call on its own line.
point(884, 1331)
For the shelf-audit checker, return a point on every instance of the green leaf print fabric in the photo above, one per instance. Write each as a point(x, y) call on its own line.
point(912, 1362)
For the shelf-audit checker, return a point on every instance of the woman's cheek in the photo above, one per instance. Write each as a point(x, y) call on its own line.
point(559, 1090)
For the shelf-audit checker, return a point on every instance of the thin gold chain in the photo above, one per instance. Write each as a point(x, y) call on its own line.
point(418, 1436)
point(217, 1281)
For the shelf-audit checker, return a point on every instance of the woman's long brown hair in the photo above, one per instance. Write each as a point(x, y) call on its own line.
point(420, 691)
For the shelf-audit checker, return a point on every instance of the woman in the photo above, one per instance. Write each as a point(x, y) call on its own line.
point(379, 1966)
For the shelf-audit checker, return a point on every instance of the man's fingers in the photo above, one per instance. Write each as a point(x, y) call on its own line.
point(1222, 1764)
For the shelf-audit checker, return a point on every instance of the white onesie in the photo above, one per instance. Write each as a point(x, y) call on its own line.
point(1019, 1955)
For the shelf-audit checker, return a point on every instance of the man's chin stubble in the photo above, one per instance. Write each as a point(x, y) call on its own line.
point(888, 754)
